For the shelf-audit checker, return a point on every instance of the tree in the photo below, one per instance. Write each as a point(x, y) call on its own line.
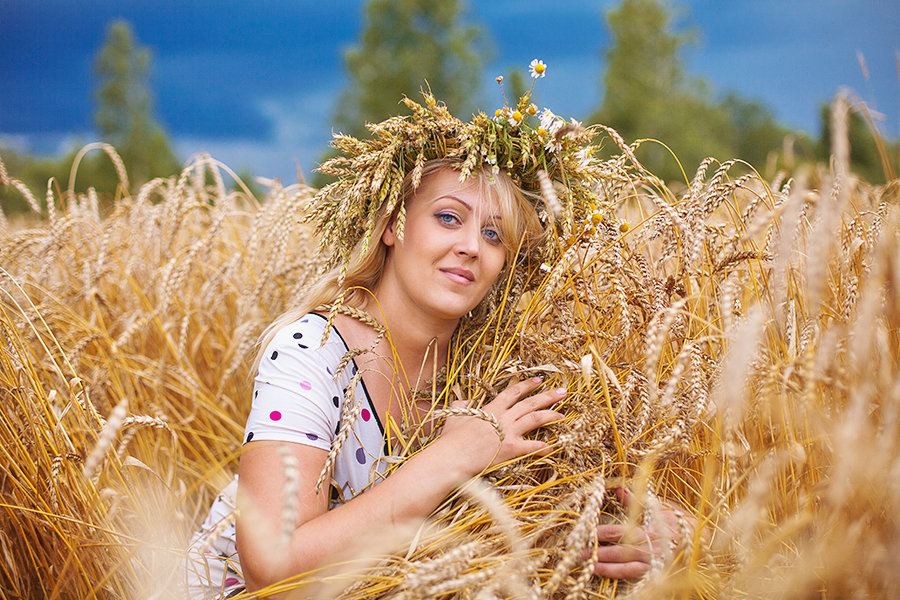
point(124, 114)
point(647, 94)
point(407, 45)
point(865, 159)
point(756, 131)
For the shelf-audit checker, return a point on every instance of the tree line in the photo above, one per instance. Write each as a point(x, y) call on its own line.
point(407, 44)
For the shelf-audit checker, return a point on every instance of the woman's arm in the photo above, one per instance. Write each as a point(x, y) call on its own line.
point(466, 447)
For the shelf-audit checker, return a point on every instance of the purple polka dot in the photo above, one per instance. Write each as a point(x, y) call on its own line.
point(275, 415)
point(312, 436)
point(298, 335)
point(249, 436)
point(361, 456)
point(232, 581)
point(328, 370)
point(366, 415)
point(354, 369)
point(274, 354)
point(305, 385)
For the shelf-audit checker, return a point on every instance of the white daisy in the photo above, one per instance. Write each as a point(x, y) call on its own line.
point(537, 68)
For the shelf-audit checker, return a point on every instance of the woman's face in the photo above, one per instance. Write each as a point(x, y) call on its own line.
point(451, 252)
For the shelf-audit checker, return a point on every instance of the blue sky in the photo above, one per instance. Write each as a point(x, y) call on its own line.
point(253, 83)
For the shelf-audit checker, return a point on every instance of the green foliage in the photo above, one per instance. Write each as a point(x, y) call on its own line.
point(515, 86)
point(408, 45)
point(648, 95)
point(755, 131)
point(865, 159)
point(95, 170)
point(124, 114)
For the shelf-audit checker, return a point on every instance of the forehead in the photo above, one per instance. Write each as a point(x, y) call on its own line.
point(475, 192)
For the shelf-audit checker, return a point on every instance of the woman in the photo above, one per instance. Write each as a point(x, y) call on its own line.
point(440, 247)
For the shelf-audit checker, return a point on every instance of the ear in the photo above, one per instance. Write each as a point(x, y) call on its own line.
point(389, 237)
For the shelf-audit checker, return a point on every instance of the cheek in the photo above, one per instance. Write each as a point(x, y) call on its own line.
point(494, 261)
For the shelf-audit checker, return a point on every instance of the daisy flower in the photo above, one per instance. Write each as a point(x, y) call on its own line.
point(549, 121)
point(537, 68)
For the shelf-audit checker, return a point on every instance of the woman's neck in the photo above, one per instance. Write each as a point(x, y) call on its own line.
point(418, 343)
point(411, 352)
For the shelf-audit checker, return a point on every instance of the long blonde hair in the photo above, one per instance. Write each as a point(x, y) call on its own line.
point(521, 230)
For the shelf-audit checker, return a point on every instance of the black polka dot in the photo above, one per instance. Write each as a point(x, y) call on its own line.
point(297, 336)
point(275, 355)
point(249, 436)
point(336, 401)
point(255, 393)
point(338, 428)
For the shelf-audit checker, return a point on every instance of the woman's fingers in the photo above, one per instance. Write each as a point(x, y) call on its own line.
point(621, 561)
point(537, 402)
point(629, 570)
point(623, 553)
point(508, 397)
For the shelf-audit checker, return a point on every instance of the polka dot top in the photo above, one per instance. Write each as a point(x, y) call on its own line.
point(297, 398)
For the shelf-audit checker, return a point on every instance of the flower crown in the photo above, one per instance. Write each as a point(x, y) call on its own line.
point(542, 153)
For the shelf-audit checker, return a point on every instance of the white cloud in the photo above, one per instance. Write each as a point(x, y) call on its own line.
point(49, 144)
point(300, 135)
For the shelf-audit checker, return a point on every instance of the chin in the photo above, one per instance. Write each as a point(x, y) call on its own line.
point(454, 310)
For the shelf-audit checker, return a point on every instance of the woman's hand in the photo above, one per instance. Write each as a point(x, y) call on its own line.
point(627, 551)
point(476, 440)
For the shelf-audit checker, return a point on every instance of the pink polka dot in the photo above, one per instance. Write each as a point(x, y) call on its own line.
point(305, 385)
point(275, 415)
point(366, 415)
point(232, 581)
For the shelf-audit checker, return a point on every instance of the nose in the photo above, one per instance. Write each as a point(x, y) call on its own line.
point(468, 243)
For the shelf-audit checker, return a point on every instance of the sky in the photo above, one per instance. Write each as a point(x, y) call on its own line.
point(254, 83)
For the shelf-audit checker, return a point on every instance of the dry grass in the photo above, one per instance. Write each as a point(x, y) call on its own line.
point(736, 351)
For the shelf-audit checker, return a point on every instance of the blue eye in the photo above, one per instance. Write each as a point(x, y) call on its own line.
point(447, 218)
point(492, 235)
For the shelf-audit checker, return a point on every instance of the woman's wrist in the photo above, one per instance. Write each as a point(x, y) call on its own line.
point(455, 463)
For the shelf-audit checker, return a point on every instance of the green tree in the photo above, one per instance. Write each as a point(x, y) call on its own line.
point(515, 86)
point(756, 132)
point(865, 159)
point(648, 95)
point(405, 46)
point(124, 113)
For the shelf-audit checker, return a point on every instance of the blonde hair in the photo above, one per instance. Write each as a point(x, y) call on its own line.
point(521, 231)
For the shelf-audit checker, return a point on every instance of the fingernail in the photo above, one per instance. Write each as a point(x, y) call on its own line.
point(537, 379)
point(561, 391)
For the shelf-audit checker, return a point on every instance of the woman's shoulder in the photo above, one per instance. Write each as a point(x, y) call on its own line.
point(305, 333)
point(298, 346)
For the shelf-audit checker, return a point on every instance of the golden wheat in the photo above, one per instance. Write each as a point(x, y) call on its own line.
point(737, 352)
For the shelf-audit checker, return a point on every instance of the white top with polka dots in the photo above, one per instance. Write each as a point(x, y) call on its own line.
point(297, 398)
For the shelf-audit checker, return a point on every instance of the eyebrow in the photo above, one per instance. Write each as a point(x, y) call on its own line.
point(494, 218)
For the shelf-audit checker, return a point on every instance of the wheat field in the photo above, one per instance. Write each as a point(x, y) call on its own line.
point(736, 351)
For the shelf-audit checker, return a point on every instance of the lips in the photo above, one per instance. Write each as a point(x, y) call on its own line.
point(459, 274)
